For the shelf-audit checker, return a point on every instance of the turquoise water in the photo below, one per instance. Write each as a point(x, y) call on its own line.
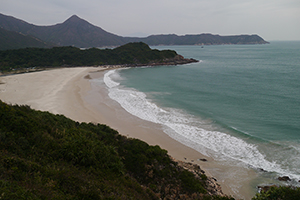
point(240, 102)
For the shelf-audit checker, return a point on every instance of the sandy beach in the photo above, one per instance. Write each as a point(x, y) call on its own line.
point(73, 93)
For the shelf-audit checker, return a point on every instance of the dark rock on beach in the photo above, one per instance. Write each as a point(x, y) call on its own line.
point(261, 170)
point(284, 178)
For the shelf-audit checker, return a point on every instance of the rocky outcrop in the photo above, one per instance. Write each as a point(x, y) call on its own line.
point(213, 187)
point(177, 60)
point(176, 187)
point(284, 178)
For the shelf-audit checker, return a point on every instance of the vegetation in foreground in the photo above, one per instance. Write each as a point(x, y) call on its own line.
point(131, 54)
point(279, 193)
point(46, 156)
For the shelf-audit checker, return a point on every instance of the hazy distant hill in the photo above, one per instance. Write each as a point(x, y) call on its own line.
point(14, 40)
point(80, 33)
point(201, 39)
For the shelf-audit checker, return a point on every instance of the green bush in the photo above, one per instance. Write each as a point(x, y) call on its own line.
point(279, 193)
point(191, 184)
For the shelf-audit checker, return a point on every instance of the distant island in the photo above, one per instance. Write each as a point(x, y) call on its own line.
point(129, 55)
point(78, 32)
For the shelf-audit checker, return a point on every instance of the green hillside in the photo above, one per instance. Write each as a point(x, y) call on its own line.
point(14, 40)
point(46, 156)
point(132, 54)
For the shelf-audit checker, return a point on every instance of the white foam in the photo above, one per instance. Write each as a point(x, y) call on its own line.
point(108, 81)
point(189, 130)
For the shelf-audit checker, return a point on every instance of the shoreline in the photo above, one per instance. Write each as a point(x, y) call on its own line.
point(70, 91)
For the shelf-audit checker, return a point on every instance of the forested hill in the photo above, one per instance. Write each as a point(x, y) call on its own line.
point(132, 54)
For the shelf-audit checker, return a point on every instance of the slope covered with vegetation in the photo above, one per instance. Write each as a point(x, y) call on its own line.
point(46, 156)
point(14, 40)
point(279, 193)
point(132, 53)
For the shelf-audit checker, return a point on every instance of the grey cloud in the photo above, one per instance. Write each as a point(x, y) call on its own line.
point(123, 17)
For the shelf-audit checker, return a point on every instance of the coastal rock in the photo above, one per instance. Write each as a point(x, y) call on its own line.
point(265, 188)
point(262, 170)
point(284, 178)
point(177, 60)
point(203, 159)
point(213, 188)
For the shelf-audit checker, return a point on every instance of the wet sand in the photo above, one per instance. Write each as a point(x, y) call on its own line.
point(80, 94)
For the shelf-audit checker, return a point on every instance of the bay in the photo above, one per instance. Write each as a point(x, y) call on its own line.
point(240, 102)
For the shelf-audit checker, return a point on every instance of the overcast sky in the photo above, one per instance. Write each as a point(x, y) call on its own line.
point(271, 19)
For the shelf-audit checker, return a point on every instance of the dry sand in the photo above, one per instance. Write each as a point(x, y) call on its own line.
point(69, 91)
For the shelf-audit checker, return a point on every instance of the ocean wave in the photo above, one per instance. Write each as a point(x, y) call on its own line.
point(190, 131)
point(108, 81)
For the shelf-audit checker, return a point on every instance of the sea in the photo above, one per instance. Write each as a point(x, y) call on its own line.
point(239, 103)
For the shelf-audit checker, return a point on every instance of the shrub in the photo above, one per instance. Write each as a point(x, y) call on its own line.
point(279, 193)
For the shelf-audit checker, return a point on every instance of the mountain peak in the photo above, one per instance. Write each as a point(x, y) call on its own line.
point(74, 18)
point(75, 21)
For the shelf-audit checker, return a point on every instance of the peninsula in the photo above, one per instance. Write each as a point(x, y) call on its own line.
point(129, 55)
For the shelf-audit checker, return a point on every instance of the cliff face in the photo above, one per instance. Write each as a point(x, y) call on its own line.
point(80, 33)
